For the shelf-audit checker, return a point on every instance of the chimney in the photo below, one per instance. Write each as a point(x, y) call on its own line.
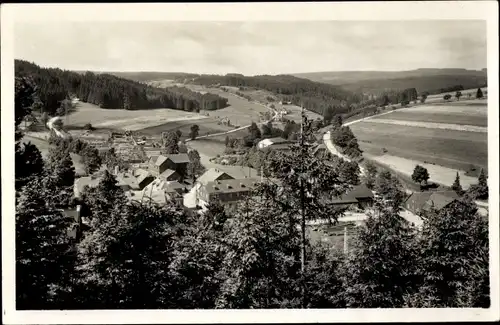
point(116, 170)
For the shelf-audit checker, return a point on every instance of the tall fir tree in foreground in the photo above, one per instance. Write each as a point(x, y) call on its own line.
point(307, 187)
point(124, 260)
point(454, 258)
point(380, 270)
point(44, 260)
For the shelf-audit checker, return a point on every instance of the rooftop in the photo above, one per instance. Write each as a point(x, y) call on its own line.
point(211, 175)
point(231, 185)
point(180, 158)
point(424, 200)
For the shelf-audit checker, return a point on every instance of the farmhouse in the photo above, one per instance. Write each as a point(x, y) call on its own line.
point(227, 192)
point(161, 191)
point(159, 164)
point(360, 197)
point(144, 178)
point(275, 144)
point(420, 202)
point(192, 199)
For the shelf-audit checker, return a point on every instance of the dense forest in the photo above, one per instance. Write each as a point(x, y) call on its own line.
point(429, 84)
point(314, 96)
point(107, 91)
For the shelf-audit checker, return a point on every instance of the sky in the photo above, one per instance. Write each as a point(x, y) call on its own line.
point(253, 48)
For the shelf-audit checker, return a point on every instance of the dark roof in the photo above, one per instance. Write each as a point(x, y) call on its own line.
point(180, 158)
point(425, 200)
point(353, 196)
point(441, 199)
point(360, 192)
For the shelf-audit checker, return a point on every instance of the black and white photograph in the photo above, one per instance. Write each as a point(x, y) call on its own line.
point(254, 157)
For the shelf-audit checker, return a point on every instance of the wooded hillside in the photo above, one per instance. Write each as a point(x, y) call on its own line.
point(111, 92)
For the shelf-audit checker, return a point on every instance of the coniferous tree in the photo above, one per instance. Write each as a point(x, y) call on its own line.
point(171, 143)
point(28, 163)
point(195, 168)
point(124, 259)
point(453, 245)
point(373, 277)
point(479, 93)
point(99, 201)
point(44, 261)
point(456, 185)
point(62, 173)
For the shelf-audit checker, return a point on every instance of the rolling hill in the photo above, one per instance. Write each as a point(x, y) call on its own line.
point(424, 80)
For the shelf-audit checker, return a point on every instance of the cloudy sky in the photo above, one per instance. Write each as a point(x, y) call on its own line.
point(253, 47)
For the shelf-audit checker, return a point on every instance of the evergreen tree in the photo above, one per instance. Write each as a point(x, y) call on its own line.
point(371, 173)
point(99, 201)
point(375, 278)
point(44, 261)
point(195, 168)
point(453, 243)
point(62, 173)
point(198, 258)
point(456, 185)
point(124, 259)
point(28, 163)
point(171, 143)
point(307, 185)
point(195, 129)
point(257, 268)
point(254, 132)
point(479, 93)
point(389, 188)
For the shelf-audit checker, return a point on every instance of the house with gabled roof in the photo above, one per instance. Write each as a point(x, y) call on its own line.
point(177, 162)
point(421, 202)
point(360, 196)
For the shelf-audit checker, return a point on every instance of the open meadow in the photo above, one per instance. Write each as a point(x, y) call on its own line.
point(445, 138)
point(132, 120)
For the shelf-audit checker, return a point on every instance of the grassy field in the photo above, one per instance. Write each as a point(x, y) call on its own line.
point(127, 120)
point(462, 114)
point(240, 111)
point(208, 125)
point(449, 148)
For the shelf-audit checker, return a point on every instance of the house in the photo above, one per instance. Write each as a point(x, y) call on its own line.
point(170, 175)
point(143, 177)
point(212, 175)
point(272, 141)
point(227, 192)
point(360, 196)
point(419, 202)
point(192, 199)
point(161, 191)
point(127, 182)
point(177, 162)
